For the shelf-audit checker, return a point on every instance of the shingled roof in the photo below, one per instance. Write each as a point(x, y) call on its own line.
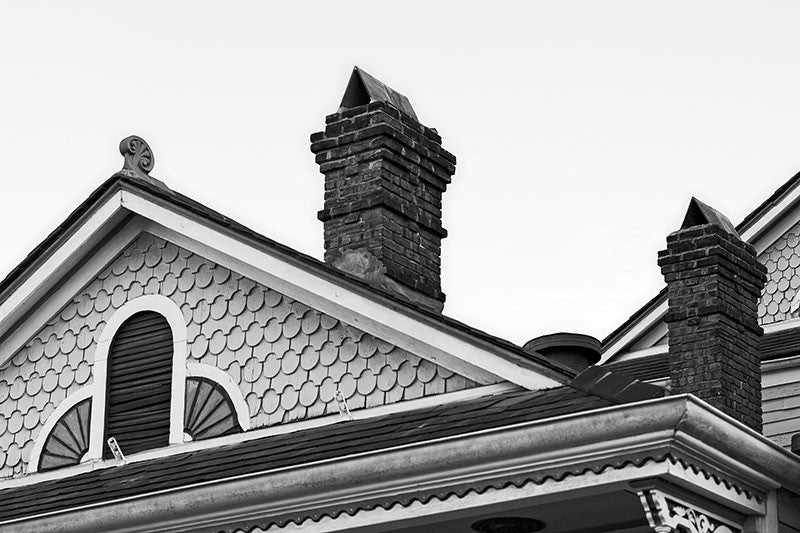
point(339, 440)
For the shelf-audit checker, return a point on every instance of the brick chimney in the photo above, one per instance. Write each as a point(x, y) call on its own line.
point(714, 282)
point(384, 178)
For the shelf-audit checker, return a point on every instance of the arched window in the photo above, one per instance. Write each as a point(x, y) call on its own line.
point(144, 393)
point(138, 391)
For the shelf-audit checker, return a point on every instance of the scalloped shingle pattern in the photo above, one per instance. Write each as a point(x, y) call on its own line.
point(782, 260)
point(288, 359)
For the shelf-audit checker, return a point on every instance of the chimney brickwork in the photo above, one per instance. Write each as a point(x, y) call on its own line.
point(384, 178)
point(714, 282)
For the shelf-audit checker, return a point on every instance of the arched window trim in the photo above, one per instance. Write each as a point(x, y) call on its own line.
point(201, 370)
point(172, 313)
point(66, 404)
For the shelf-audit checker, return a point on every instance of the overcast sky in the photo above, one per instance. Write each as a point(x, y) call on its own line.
point(581, 128)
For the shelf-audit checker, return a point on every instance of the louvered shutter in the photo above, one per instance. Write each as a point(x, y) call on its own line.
point(139, 384)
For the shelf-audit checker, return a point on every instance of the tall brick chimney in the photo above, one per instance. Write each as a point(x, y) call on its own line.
point(384, 178)
point(714, 281)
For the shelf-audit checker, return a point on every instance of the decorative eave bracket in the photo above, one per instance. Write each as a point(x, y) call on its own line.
point(669, 514)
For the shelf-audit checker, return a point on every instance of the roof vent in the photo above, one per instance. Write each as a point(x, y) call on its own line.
point(574, 350)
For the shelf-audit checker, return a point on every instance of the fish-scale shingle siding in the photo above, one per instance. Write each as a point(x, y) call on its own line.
point(287, 358)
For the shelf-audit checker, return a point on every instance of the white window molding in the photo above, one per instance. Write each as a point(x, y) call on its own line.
point(66, 404)
point(201, 370)
point(172, 313)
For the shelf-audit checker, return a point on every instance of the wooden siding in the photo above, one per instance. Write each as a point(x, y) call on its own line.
point(781, 403)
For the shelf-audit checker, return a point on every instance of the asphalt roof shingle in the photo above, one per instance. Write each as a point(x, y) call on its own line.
point(338, 440)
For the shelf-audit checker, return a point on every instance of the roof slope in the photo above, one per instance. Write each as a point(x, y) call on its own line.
point(340, 440)
point(154, 189)
point(774, 345)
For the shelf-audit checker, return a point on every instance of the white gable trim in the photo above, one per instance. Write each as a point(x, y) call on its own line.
point(169, 310)
point(475, 359)
point(66, 289)
point(63, 258)
point(452, 352)
point(68, 403)
point(758, 226)
point(225, 380)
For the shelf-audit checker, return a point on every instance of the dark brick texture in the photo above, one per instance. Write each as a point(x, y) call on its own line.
point(714, 282)
point(384, 178)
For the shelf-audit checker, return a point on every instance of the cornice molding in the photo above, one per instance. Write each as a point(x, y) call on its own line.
point(648, 435)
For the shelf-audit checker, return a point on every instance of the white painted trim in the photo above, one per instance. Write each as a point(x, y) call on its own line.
point(642, 325)
point(758, 226)
point(23, 298)
point(281, 429)
point(202, 370)
point(644, 352)
point(420, 515)
point(172, 313)
point(700, 433)
point(782, 325)
point(780, 372)
point(61, 290)
point(66, 404)
point(454, 353)
point(475, 359)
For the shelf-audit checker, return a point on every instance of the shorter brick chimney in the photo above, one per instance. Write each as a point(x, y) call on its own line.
point(384, 178)
point(714, 282)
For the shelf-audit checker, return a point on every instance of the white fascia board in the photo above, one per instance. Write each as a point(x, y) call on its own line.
point(59, 289)
point(638, 328)
point(85, 236)
point(420, 515)
point(454, 353)
point(758, 226)
point(659, 349)
point(690, 428)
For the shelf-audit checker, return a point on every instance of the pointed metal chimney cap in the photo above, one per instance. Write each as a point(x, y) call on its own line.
point(700, 214)
point(363, 89)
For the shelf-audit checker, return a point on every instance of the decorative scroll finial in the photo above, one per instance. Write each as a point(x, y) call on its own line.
point(139, 160)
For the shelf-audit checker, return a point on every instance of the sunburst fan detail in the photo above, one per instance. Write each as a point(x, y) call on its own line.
point(209, 411)
point(68, 442)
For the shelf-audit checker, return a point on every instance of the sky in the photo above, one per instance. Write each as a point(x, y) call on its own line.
point(582, 128)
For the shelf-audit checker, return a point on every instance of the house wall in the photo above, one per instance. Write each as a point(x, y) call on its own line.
point(287, 358)
point(781, 399)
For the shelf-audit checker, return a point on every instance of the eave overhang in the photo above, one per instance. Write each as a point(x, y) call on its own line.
point(678, 439)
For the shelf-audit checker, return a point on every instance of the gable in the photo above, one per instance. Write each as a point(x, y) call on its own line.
point(287, 360)
point(777, 242)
